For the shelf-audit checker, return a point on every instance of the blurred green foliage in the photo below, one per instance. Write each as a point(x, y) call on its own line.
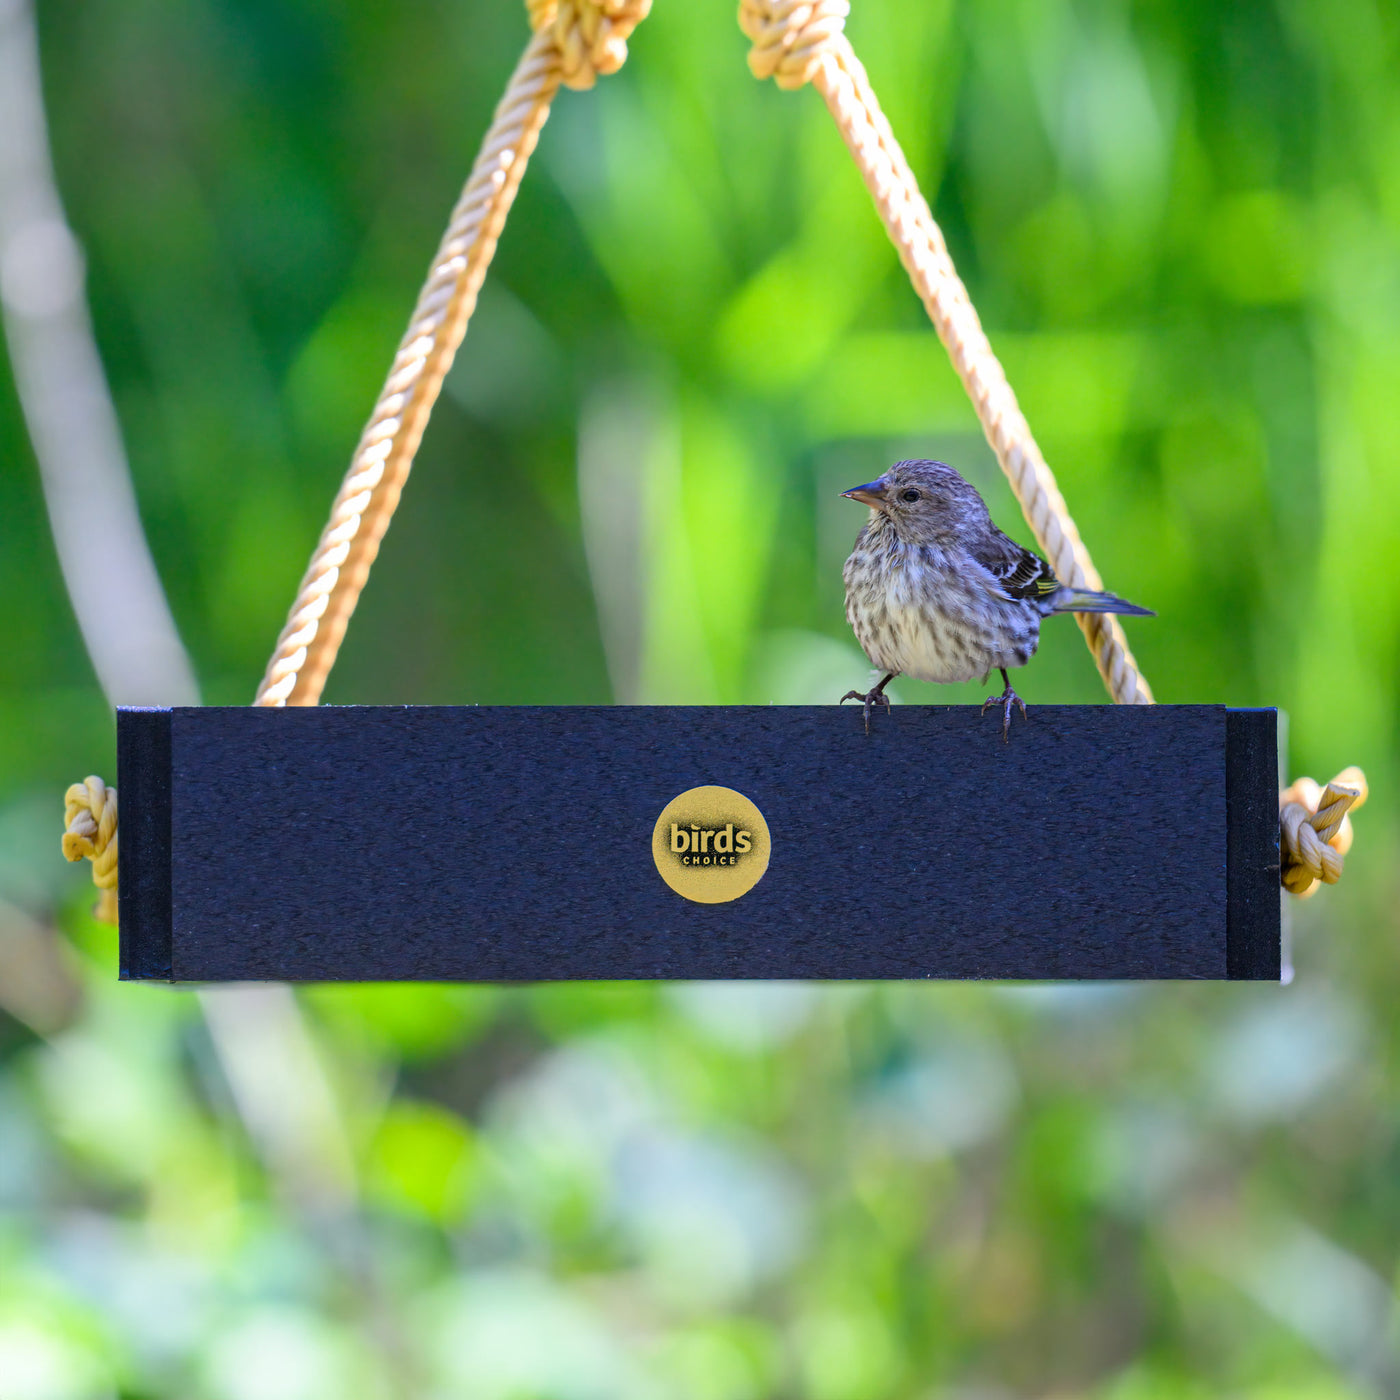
point(1181, 225)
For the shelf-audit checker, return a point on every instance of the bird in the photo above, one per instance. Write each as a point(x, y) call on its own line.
point(935, 591)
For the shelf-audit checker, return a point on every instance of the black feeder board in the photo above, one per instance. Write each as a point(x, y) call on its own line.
point(514, 843)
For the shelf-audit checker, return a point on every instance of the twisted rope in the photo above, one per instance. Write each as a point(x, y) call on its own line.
point(574, 41)
point(90, 822)
point(801, 41)
point(1315, 831)
point(369, 494)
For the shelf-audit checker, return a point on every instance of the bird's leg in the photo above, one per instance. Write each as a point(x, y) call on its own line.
point(1006, 700)
point(871, 697)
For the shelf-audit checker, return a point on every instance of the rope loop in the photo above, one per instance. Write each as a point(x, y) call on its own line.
point(791, 37)
point(590, 35)
point(90, 821)
point(1315, 831)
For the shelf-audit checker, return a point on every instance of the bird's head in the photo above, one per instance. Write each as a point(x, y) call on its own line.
point(924, 502)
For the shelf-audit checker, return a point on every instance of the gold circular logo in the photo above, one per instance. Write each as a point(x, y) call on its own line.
point(711, 844)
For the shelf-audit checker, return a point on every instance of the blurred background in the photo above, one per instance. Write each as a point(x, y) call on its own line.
point(1181, 225)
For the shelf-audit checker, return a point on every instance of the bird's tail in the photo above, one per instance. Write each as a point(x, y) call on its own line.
point(1082, 600)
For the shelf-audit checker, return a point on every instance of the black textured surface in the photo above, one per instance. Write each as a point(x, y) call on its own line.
point(1253, 945)
point(514, 843)
point(143, 846)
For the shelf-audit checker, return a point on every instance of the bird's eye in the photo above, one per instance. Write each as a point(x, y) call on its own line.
point(910, 495)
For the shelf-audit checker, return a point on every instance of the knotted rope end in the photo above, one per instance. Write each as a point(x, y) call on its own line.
point(90, 832)
point(589, 35)
point(1315, 830)
point(791, 38)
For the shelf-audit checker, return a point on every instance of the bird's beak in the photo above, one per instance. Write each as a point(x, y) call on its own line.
point(871, 494)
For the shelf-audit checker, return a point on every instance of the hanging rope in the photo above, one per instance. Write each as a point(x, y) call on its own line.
point(804, 41)
point(1315, 829)
point(575, 41)
point(90, 822)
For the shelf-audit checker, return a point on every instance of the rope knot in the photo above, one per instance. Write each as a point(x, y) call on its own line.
point(590, 35)
point(791, 37)
point(90, 819)
point(1315, 830)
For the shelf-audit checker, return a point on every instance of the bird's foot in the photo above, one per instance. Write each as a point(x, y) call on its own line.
point(1006, 700)
point(868, 698)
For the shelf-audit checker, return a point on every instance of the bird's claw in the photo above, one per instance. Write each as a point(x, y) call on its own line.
point(1006, 699)
point(867, 699)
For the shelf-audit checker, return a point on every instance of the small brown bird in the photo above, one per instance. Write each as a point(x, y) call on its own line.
point(935, 591)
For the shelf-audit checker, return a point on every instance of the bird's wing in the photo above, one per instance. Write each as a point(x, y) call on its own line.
point(1018, 573)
